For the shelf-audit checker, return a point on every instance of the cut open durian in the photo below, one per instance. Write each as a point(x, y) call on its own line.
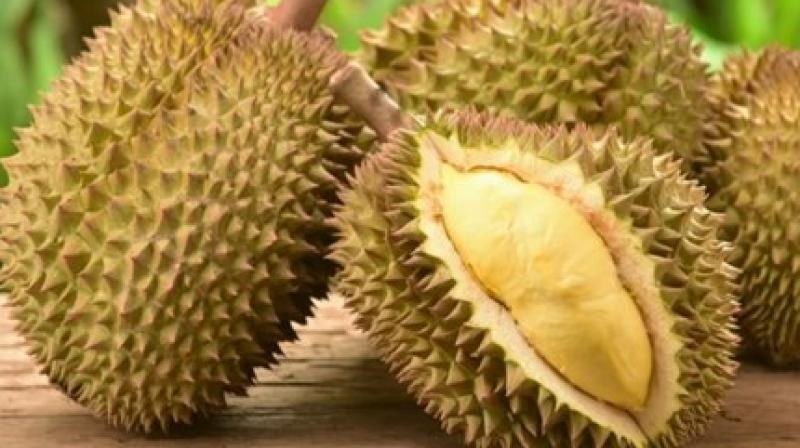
point(537, 286)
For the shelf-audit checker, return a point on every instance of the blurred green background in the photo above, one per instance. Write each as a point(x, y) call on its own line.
point(38, 36)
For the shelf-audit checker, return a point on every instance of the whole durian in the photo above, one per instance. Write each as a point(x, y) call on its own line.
point(753, 141)
point(600, 62)
point(538, 287)
point(166, 219)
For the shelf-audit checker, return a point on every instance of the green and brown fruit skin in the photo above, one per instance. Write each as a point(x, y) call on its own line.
point(752, 141)
point(600, 62)
point(413, 296)
point(166, 221)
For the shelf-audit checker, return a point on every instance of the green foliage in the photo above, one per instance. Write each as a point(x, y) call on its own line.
point(30, 58)
point(348, 17)
point(725, 26)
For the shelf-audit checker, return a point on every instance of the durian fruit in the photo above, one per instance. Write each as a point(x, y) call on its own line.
point(538, 287)
point(753, 139)
point(165, 224)
point(601, 62)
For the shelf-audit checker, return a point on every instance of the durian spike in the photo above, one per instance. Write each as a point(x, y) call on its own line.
point(353, 86)
point(300, 15)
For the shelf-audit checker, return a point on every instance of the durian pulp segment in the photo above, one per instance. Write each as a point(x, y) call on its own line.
point(532, 251)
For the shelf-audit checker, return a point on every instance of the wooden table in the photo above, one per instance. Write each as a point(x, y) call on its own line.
point(331, 391)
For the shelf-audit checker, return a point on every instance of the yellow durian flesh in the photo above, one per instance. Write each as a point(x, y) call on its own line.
point(535, 253)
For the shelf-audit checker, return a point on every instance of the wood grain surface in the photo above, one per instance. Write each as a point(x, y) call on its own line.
point(331, 391)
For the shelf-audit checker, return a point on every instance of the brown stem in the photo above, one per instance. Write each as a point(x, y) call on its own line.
point(353, 86)
point(300, 15)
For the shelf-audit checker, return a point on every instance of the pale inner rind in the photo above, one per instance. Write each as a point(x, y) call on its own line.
point(636, 271)
point(534, 253)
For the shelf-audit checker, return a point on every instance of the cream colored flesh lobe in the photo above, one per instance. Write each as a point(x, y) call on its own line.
point(537, 255)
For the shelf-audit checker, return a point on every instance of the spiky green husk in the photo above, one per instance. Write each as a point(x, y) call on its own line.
point(753, 137)
point(403, 295)
point(601, 62)
point(133, 64)
point(166, 220)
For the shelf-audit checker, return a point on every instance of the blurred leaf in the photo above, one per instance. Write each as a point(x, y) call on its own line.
point(13, 90)
point(341, 16)
point(787, 22)
point(13, 97)
point(749, 21)
point(46, 55)
point(12, 12)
